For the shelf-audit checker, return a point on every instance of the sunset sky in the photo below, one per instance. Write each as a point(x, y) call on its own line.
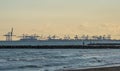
point(60, 17)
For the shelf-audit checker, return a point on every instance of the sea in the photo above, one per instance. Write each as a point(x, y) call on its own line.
point(56, 59)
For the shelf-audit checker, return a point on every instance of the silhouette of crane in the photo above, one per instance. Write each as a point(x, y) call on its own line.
point(9, 35)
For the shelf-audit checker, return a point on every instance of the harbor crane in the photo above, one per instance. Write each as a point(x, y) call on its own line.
point(9, 35)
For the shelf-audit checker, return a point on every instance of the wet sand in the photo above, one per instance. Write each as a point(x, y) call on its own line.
point(116, 68)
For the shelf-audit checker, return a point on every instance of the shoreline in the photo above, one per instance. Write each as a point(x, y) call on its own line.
point(109, 68)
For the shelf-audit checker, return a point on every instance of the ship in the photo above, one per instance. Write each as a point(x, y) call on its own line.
point(34, 40)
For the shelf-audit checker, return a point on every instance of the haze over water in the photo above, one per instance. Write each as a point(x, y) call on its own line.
point(60, 17)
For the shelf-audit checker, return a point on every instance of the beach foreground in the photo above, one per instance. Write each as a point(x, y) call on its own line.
point(116, 68)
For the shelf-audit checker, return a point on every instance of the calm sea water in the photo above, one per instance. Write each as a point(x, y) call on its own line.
point(55, 59)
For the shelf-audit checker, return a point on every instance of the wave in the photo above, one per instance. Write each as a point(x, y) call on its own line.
point(20, 67)
point(25, 59)
point(30, 66)
point(3, 60)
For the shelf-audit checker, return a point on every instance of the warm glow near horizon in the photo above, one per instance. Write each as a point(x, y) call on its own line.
point(60, 17)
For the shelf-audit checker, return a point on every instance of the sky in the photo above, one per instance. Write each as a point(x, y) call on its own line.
point(60, 17)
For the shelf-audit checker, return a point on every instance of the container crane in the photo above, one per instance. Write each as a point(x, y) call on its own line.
point(9, 35)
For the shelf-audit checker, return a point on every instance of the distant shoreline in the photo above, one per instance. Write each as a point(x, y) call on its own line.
point(63, 47)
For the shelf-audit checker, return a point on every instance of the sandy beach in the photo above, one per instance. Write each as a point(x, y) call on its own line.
point(116, 68)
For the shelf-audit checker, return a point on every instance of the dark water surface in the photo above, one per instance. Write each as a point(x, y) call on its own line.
point(55, 59)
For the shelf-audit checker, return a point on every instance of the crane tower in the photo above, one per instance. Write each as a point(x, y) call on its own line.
point(9, 35)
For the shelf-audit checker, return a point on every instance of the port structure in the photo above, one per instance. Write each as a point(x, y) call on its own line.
point(26, 37)
point(34, 37)
point(9, 35)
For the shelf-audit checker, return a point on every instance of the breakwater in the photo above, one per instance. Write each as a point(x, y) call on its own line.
point(63, 47)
